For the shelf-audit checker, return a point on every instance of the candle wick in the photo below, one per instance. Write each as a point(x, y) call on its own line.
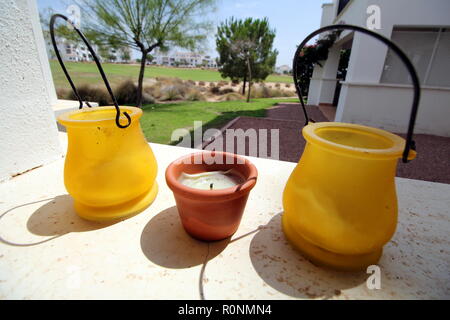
point(211, 186)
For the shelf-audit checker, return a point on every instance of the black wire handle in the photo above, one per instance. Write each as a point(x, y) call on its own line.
point(97, 62)
point(410, 144)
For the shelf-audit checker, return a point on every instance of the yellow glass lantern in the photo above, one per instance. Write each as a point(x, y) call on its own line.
point(340, 203)
point(110, 169)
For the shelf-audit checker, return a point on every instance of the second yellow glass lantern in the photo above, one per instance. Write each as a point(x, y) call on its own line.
point(340, 202)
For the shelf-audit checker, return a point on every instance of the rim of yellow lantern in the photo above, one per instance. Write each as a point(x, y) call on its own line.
point(97, 116)
point(378, 143)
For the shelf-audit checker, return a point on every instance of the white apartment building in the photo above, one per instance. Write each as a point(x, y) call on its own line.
point(283, 69)
point(183, 59)
point(377, 90)
point(68, 50)
point(79, 52)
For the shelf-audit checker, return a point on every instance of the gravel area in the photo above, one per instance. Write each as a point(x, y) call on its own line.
point(293, 111)
point(432, 162)
point(290, 138)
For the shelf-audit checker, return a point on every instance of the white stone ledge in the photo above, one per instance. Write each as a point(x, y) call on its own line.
point(149, 256)
point(62, 106)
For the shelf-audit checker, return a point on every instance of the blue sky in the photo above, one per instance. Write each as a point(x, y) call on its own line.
point(292, 19)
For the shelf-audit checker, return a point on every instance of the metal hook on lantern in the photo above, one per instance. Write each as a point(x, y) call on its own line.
point(97, 62)
point(410, 144)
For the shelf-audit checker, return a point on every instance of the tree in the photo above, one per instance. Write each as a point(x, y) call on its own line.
point(245, 50)
point(312, 55)
point(148, 24)
point(125, 55)
point(103, 52)
point(112, 57)
point(343, 63)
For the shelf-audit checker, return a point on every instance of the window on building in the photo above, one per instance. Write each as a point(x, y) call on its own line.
point(341, 5)
point(439, 74)
point(428, 50)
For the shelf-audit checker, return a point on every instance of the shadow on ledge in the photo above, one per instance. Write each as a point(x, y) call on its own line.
point(58, 217)
point(283, 268)
point(165, 242)
point(54, 219)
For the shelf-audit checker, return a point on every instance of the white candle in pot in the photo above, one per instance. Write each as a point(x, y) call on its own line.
point(211, 180)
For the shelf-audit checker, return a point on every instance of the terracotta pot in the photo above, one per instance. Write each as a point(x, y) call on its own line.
point(211, 214)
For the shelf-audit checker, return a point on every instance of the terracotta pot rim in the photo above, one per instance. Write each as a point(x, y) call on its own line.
point(211, 195)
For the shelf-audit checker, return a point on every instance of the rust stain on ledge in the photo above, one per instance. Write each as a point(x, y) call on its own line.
point(23, 172)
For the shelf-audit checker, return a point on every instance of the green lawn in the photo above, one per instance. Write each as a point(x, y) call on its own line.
point(87, 73)
point(160, 120)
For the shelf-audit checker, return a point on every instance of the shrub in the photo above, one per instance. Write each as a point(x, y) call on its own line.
point(195, 95)
point(92, 93)
point(126, 93)
point(260, 92)
point(147, 98)
point(277, 85)
point(201, 83)
point(215, 90)
point(265, 92)
point(169, 89)
point(226, 91)
point(212, 84)
point(190, 82)
point(222, 83)
point(63, 93)
point(183, 89)
point(232, 96)
point(162, 79)
point(275, 93)
point(288, 93)
point(171, 93)
point(288, 85)
point(154, 90)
